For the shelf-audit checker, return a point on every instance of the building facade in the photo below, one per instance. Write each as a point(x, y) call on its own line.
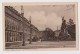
point(17, 26)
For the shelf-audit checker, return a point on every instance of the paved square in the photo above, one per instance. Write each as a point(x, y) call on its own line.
point(45, 44)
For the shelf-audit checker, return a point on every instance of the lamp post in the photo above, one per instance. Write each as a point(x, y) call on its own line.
point(30, 32)
point(22, 13)
point(23, 41)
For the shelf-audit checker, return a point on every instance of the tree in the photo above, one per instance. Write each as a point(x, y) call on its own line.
point(63, 26)
point(71, 22)
point(49, 34)
point(71, 29)
point(64, 33)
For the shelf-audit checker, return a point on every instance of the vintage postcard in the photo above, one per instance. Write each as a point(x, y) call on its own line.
point(40, 26)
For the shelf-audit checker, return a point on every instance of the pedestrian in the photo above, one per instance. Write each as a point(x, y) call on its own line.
point(40, 39)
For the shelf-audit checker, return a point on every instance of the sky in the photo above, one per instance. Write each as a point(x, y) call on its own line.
point(43, 16)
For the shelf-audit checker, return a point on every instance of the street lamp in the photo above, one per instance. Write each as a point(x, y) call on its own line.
point(22, 13)
point(23, 41)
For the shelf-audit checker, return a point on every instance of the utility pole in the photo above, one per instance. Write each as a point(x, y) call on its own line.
point(30, 32)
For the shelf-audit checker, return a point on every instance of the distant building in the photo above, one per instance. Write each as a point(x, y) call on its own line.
point(56, 32)
point(56, 35)
point(47, 34)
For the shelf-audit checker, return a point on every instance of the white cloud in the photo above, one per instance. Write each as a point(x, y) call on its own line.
point(47, 16)
point(40, 20)
point(53, 21)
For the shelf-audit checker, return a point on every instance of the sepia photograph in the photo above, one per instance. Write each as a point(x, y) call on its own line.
point(38, 26)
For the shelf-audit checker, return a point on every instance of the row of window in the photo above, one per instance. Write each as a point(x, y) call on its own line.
point(11, 27)
point(12, 36)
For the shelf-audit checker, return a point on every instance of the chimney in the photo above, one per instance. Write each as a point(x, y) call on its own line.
point(22, 11)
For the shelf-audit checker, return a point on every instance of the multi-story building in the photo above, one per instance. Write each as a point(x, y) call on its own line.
point(17, 26)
